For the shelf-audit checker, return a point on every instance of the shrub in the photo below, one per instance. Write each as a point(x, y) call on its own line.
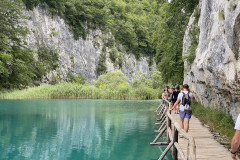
point(112, 85)
point(103, 49)
point(79, 79)
point(72, 61)
point(221, 15)
point(144, 92)
point(101, 66)
point(123, 92)
point(110, 43)
point(194, 38)
point(54, 80)
point(217, 120)
point(120, 61)
point(197, 14)
point(54, 32)
point(157, 80)
point(113, 55)
point(233, 5)
point(111, 79)
point(191, 57)
point(47, 60)
point(139, 79)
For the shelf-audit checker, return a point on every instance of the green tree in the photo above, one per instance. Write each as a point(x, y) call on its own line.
point(47, 60)
point(131, 22)
point(16, 61)
point(157, 80)
point(169, 38)
point(18, 67)
point(140, 79)
point(112, 80)
point(79, 79)
point(30, 4)
point(143, 27)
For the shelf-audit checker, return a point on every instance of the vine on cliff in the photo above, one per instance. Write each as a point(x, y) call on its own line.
point(194, 32)
point(101, 64)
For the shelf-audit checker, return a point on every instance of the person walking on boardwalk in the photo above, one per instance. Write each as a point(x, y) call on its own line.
point(185, 111)
point(166, 94)
point(174, 98)
point(236, 139)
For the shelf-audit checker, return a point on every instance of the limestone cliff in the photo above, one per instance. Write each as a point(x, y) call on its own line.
point(78, 56)
point(214, 75)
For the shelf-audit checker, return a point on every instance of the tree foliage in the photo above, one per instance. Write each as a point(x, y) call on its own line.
point(131, 22)
point(155, 81)
point(169, 38)
point(47, 60)
point(144, 27)
point(16, 61)
point(18, 68)
point(111, 80)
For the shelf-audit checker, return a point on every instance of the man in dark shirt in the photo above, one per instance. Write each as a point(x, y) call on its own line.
point(174, 98)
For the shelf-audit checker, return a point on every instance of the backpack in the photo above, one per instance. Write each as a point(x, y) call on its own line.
point(186, 101)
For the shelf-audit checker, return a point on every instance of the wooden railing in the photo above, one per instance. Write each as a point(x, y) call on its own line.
point(168, 123)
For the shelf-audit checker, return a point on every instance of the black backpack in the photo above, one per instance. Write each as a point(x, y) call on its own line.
point(186, 100)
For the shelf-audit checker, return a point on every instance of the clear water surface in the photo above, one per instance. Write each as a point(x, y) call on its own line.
point(78, 129)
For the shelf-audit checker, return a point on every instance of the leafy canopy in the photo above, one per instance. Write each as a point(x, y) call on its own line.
point(16, 61)
point(18, 68)
point(112, 80)
point(131, 22)
point(145, 27)
point(168, 39)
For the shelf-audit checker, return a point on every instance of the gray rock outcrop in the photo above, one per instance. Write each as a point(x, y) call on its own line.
point(77, 56)
point(214, 76)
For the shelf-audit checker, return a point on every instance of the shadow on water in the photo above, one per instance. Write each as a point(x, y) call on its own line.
point(78, 129)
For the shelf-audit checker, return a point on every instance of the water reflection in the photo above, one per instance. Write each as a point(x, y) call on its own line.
point(77, 129)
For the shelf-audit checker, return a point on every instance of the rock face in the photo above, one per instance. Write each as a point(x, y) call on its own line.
point(77, 56)
point(214, 76)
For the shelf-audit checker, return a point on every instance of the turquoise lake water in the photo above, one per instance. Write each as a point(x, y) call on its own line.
point(76, 129)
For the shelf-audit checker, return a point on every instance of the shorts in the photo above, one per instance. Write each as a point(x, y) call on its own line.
point(185, 114)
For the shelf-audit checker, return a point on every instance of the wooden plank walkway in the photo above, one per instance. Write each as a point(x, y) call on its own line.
point(207, 148)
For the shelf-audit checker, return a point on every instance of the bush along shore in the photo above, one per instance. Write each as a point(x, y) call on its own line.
point(220, 123)
point(111, 85)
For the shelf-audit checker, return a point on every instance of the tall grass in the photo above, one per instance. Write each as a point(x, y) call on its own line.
point(73, 90)
point(219, 121)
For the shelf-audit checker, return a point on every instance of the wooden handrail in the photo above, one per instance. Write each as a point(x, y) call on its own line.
point(173, 129)
point(180, 151)
point(180, 130)
point(159, 106)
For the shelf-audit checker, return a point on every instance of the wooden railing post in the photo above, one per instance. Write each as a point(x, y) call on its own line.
point(173, 129)
point(175, 139)
point(192, 149)
point(169, 124)
point(169, 107)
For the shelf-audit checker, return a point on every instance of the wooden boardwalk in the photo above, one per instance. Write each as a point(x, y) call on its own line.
point(207, 148)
